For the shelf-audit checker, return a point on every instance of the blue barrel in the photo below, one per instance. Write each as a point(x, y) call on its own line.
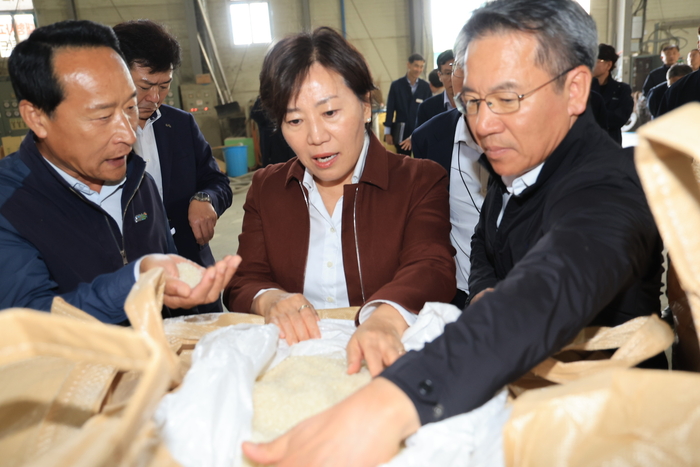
point(236, 158)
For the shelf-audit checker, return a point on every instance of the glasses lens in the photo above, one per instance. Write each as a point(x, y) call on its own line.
point(503, 102)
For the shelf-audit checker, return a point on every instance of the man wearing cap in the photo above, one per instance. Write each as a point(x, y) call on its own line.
point(617, 96)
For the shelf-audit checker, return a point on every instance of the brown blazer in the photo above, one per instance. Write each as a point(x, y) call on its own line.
point(399, 209)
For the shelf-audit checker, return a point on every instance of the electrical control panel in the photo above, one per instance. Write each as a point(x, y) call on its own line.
point(199, 99)
point(11, 123)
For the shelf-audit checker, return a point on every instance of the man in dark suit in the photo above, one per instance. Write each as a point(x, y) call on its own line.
point(194, 191)
point(440, 102)
point(669, 55)
point(446, 139)
point(405, 95)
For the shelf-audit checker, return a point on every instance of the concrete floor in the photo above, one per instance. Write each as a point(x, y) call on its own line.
point(225, 241)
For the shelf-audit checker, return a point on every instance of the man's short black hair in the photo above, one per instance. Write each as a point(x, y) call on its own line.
point(669, 47)
point(678, 70)
point(445, 57)
point(415, 58)
point(148, 44)
point(434, 79)
point(31, 62)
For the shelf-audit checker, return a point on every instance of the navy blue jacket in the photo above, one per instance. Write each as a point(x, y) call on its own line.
point(656, 95)
point(405, 104)
point(686, 89)
point(430, 108)
point(53, 241)
point(434, 140)
point(187, 167)
point(655, 77)
point(579, 246)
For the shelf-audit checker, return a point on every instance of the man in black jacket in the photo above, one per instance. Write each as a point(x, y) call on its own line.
point(617, 95)
point(565, 238)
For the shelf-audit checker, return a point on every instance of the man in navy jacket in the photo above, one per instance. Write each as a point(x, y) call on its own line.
point(79, 217)
point(194, 191)
point(443, 101)
point(405, 95)
point(446, 140)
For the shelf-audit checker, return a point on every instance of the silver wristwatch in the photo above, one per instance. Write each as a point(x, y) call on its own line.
point(201, 196)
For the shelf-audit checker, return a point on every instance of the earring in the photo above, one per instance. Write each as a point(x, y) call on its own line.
point(369, 120)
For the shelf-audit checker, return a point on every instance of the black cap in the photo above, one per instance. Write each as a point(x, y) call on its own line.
point(607, 52)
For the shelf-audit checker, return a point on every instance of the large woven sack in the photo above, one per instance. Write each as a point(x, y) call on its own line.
point(590, 352)
point(631, 417)
point(55, 372)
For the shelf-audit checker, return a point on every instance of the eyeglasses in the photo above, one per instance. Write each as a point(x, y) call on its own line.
point(501, 102)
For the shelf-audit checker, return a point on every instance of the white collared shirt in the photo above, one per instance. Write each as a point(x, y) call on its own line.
point(465, 199)
point(325, 285)
point(446, 102)
point(414, 86)
point(145, 146)
point(108, 198)
point(515, 186)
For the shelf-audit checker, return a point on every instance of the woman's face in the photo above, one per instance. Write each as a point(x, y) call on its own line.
point(325, 126)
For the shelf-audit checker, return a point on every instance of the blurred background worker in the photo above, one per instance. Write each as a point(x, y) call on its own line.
point(440, 102)
point(657, 93)
point(405, 95)
point(617, 96)
point(669, 56)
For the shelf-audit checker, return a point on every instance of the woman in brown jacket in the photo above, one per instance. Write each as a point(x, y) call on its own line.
point(345, 223)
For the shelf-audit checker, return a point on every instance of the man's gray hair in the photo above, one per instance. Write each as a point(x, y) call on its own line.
point(565, 33)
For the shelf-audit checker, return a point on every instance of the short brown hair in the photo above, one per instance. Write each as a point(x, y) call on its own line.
point(287, 64)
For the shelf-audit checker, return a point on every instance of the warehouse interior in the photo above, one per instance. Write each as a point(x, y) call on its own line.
point(179, 380)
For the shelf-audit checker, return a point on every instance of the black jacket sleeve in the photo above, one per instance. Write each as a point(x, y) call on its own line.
point(596, 242)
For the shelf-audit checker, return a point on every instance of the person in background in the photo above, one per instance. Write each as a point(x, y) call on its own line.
point(273, 148)
point(617, 96)
point(443, 101)
point(436, 86)
point(656, 95)
point(79, 216)
point(565, 239)
point(446, 139)
point(694, 59)
point(405, 95)
point(669, 56)
point(686, 89)
point(194, 191)
point(345, 223)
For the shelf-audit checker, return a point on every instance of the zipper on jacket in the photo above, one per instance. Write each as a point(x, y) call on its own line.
point(126, 206)
point(306, 261)
point(357, 246)
point(122, 252)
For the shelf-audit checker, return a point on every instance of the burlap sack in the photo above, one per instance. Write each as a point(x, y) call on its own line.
point(630, 417)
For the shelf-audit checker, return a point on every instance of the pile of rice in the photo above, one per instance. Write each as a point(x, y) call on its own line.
point(297, 389)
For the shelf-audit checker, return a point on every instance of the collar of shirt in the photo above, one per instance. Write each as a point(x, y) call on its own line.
point(146, 147)
point(462, 135)
point(414, 86)
point(446, 102)
point(108, 198)
point(519, 184)
point(310, 184)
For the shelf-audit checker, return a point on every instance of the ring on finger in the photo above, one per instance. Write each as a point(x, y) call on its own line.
point(303, 306)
